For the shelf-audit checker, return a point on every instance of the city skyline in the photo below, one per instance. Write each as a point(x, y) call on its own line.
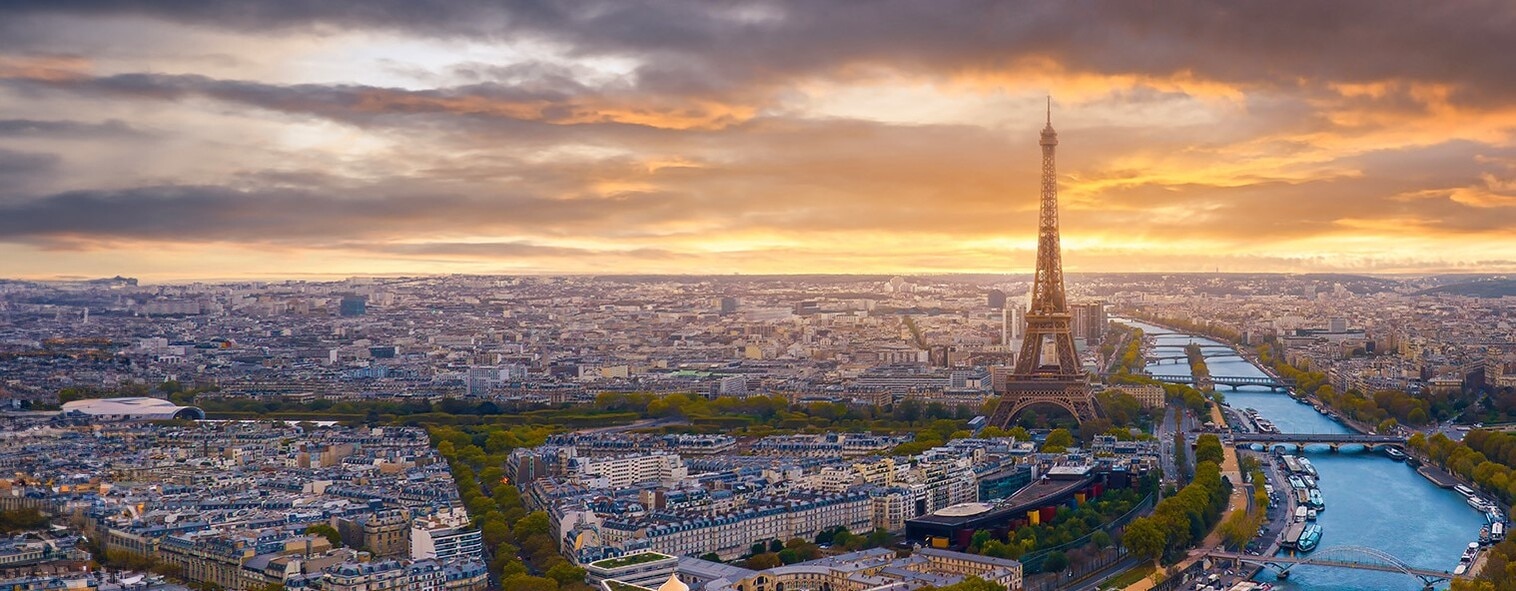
point(221, 141)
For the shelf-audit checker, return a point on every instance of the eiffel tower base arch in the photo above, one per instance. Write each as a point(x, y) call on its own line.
point(1074, 397)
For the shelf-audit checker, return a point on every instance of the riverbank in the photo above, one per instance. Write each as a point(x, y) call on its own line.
point(1231, 471)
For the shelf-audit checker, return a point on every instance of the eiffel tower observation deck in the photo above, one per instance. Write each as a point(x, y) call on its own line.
point(1047, 369)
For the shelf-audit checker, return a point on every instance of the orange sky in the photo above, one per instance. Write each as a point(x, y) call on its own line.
point(219, 139)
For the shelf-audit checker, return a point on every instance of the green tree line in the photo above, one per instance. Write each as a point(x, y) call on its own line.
point(524, 553)
point(1181, 521)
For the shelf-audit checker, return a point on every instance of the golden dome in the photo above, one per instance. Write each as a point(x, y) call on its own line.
point(673, 584)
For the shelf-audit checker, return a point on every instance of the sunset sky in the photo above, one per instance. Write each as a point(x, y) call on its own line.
point(219, 139)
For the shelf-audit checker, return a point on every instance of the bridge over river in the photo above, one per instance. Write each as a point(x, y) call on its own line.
point(1355, 557)
point(1273, 383)
point(1328, 438)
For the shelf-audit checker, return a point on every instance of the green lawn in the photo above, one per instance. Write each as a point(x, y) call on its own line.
point(1125, 579)
point(629, 560)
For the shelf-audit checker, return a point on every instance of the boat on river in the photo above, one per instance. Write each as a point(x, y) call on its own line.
point(1305, 464)
point(1302, 513)
point(1395, 454)
point(1311, 515)
point(1291, 536)
point(1296, 483)
point(1309, 538)
point(1316, 501)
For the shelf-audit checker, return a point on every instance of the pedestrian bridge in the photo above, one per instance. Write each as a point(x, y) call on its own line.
point(1233, 381)
point(1332, 439)
point(1354, 557)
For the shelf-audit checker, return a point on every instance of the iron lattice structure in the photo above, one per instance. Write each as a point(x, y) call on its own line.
point(1047, 369)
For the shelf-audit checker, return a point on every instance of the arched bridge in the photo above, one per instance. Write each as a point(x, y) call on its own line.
point(1340, 557)
point(1233, 381)
point(1333, 439)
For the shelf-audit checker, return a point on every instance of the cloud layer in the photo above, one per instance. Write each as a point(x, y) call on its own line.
point(677, 136)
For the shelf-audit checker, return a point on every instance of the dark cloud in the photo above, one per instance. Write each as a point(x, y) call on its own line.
point(20, 171)
point(691, 46)
point(209, 213)
point(506, 250)
point(13, 162)
point(65, 129)
point(23, 172)
point(719, 133)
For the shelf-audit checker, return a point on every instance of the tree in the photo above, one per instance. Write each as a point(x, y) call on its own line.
point(326, 531)
point(775, 545)
point(1055, 562)
point(765, 560)
point(566, 573)
point(523, 582)
point(977, 542)
point(909, 410)
point(535, 522)
point(1058, 441)
point(17, 520)
point(1100, 539)
point(1239, 527)
point(1208, 449)
point(1145, 538)
point(495, 533)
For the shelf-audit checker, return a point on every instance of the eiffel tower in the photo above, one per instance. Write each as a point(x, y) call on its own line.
point(1047, 369)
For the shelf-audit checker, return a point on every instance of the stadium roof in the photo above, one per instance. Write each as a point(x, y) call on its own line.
point(139, 408)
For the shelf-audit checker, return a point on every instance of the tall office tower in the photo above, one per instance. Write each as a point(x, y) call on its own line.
point(996, 299)
point(1089, 322)
point(353, 305)
point(1047, 370)
point(1012, 322)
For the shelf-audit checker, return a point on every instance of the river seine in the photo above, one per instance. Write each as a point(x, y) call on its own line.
point(1371, 501)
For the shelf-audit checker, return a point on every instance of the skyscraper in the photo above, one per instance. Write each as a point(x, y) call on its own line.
point(353, 305)
point(996, 299)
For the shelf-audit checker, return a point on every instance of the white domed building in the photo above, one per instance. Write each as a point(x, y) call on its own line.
point(130, 409)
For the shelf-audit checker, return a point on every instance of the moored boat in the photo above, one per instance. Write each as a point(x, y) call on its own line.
point(1292, 535)
point(1309, 538)
point(1316, 501)
point(1395, 454)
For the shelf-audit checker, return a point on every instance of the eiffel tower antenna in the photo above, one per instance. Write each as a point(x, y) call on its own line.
point(1047, 369)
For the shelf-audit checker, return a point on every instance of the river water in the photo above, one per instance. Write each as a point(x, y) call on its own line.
point(1371, 501)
